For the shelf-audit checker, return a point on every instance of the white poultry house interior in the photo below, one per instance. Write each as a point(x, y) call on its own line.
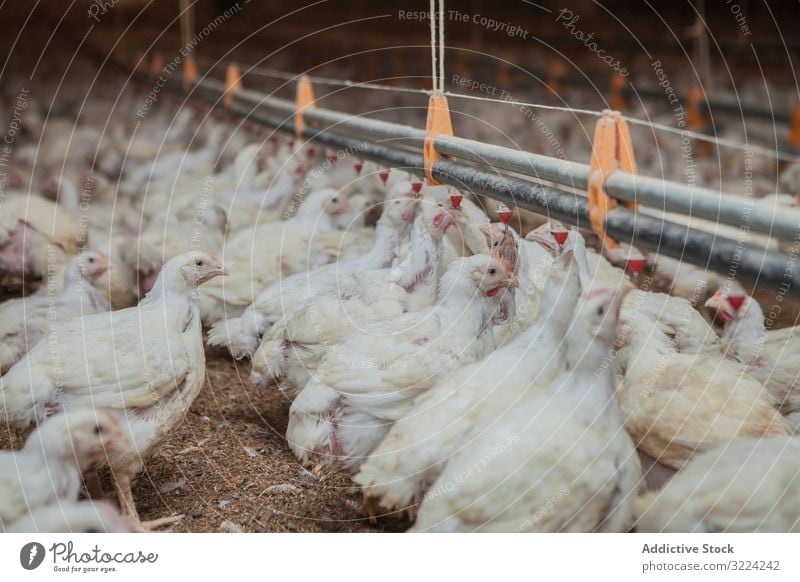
point(503, 267)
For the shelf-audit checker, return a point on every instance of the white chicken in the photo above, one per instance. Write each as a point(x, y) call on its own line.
point(747, 485)
point(24, 321)
point(371, 378)
point(678, 400)
point(132, 271)
point(771, 356)
point(147, 363)
point(292, 349)
point(469, 235)
point(351, 237)
point(35, 234)
point(165, 169)
point(72, 517)
point(257, 256)
point(202, 227)
point(49, 466)
point(471, 398)
point(242, 334)
point(558, 462)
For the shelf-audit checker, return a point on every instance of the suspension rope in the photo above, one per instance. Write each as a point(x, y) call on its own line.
point(434, 79)
point(187, 22)
point(438, 120)
point(441, 45)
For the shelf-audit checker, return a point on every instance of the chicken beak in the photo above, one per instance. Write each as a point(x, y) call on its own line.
point(342, 207)
point(510, 282)
point(101, 267)
point(713, 302)
point(444, 220)
point(541, 239)
point(717, 302)
point(720, 307)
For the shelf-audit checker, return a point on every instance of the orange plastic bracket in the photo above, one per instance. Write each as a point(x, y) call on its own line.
point(438, 123)
point(554, 75)
point(156, 65)
point(233, 83)
point(619, 85)
point(504, 74)
point(140, 63)
point(189, 73)
point(697, 118)
point(305, 100)
point(611, 152)
point(794, 128)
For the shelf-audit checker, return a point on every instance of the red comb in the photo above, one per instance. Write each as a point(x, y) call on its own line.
point(383, 175)
point(560, 236)
point(736, 301)
point(636, 265)
point(311, 152)
point(416, 187)
point(455, 200)
point(358, 167)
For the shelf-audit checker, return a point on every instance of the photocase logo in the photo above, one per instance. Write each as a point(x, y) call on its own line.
point(31, 555)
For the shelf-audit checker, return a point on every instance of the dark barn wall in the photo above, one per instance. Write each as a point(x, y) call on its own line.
point(368, 40)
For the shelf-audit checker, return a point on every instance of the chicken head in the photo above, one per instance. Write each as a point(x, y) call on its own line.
point(92, 434)
point(91, 265)
point(727, 307)
point(490, 275)
point(197, 267)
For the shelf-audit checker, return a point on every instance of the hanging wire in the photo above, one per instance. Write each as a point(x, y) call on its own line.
point(187, 22)
point(721, 142)
point(441, 45)
point(434, 80)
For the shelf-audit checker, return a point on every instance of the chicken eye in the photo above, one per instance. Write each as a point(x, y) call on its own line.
point(495, 243)
point(98, 429)
point(600, 311)
point(492, 271)
point(91, 259)
point(198, 262)
point(335, 200)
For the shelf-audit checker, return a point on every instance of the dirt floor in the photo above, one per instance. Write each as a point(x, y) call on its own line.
point(228, 468)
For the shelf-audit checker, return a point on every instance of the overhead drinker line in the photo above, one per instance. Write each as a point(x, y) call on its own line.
point(516, 178)
point(545, 185)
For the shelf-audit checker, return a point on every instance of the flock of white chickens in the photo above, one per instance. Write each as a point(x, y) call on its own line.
point(465, 376)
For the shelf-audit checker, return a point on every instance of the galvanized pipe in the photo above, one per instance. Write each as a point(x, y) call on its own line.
point(711, 205)
point(749, 263)
point(737, 211)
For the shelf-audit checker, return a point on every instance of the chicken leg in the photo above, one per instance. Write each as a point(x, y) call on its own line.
point(122, 486)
